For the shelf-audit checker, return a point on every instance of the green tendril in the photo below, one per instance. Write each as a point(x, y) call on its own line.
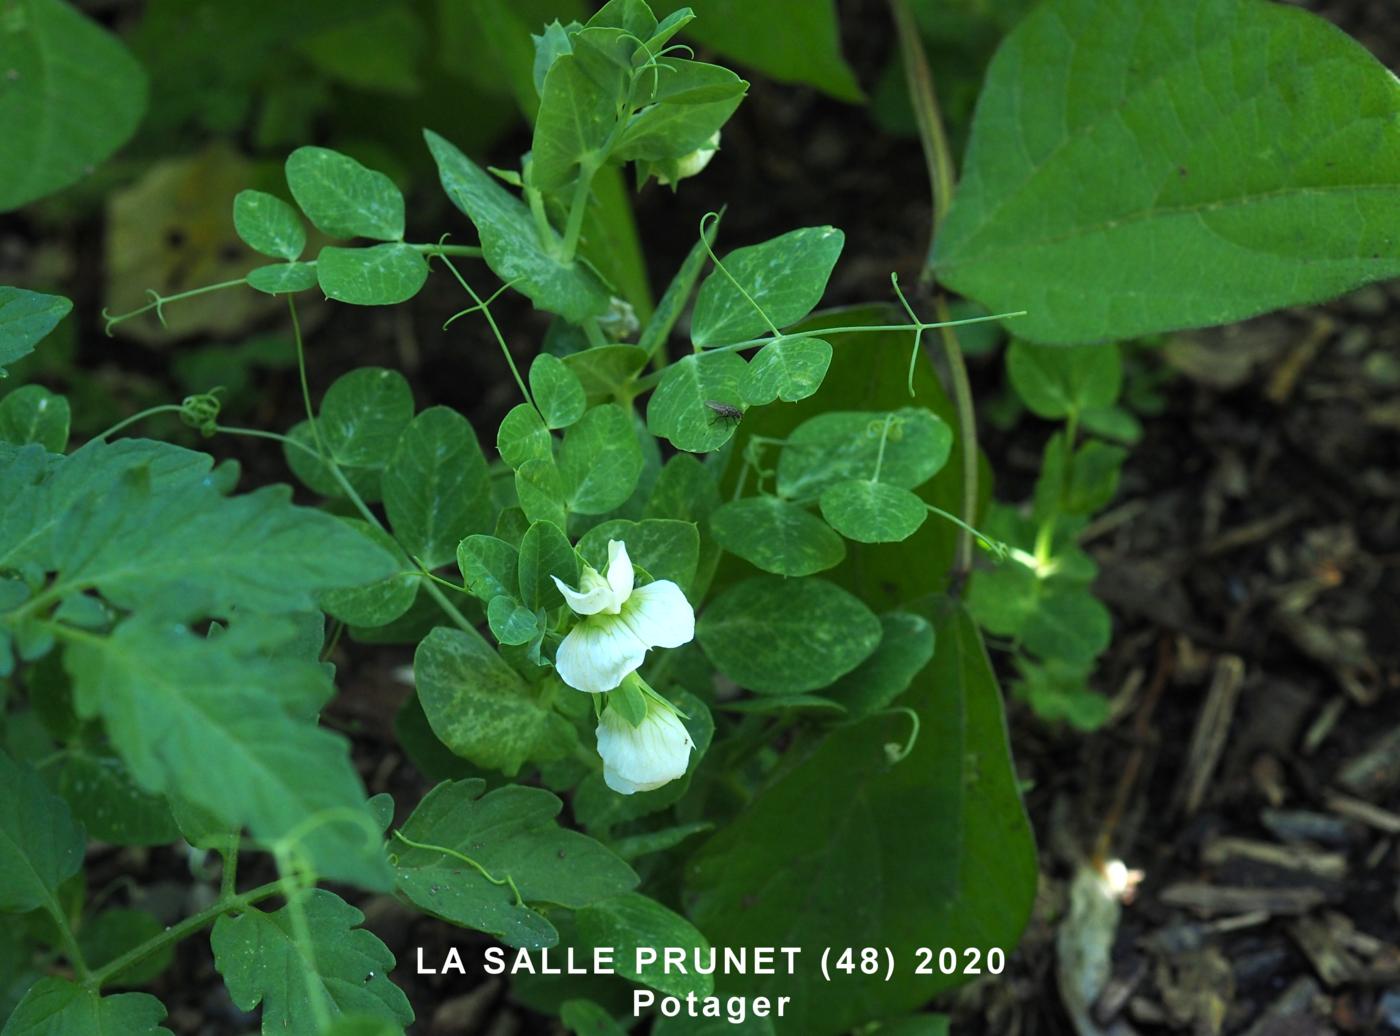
point(507, 880)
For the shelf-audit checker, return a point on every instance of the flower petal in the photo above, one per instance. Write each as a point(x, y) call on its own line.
point(659, 615)
point(590, 601)
point(620, 575)
point(645, 757)
point(597, 654)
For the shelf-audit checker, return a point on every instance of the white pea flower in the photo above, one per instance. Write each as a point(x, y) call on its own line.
point(690, 164)
point(620, 623)
point(644, 757)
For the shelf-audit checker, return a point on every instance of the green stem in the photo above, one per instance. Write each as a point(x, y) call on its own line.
point(164, 408)
point(496, 331)
point(228, 880)
point(160, 300)
point(967, 435)
point(305, 384)
point(187, 927)
point(466, 251)
point(71, 950)
point(937, 155)
point(578, 208)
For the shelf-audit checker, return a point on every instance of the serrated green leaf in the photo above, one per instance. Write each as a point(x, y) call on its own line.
point(489, 567)
point(57, 1007)
point(906, 645)
point(267, 224)
point(436, 487)
point(776, 536)
point(510, 240)
point(283, 278)
point(1223, 159)
point(480, 707)
point(663, 548)
point(523, 437)
point(227, 723)
point(840, 445)
point(363, 414)
point(678, 410)
point(557, 391)
point(633, 920)
point(342, 197)
point(380, 603)
point(310, 949)
point(544, 553)
point(777, 636)
point(1058, 381)
point(789, 369)
point(114, 932)
point(600, 460)
point(40, 844)
point(872, 512)
point(786, 277)
point(31, 413)
point(510, 832)
point(73, 95)
point(25, 318)
point(380, 275)
point(111, 806)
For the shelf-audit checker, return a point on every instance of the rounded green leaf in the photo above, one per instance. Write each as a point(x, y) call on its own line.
point(283, 278)
point(72, 95)
point(309, 469)
point(436, 486)
point(267, 224)
point(872, 512)
point(25, 318)
point(363, 414)
point(600, 460)
point(1142, 165)
point(31, 413)
point(540, 490)
point(523, 436)
point(785, 277)
point(789, 369)
point(380, 275)
point(511, 623)
point(557, 391)
point(776, 536)
point(342, 197)
point(663, 548)
point(1057, 381)
point(545, 553)
point(604, 370)
point(632, 920)
point(841, 445)
point(489, 566)
point(678, 410)
point(906, 645)
point(787, 636)
point(378, 603)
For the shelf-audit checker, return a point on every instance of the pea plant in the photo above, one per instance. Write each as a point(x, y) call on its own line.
point(717, 584)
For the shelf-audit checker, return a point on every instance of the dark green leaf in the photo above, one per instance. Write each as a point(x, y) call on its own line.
point(283, 278)
point(523, 437)
point(480, 707)
point(786, 636)
point(872, 512)
point(512, 623)
point(664, 549)
point(40, 845)
point(112, 933)
point(436, 487)
point(57, 1007)
point(267, 224)
point(545, 552)
point(31, 413)
point(906, 645)
point(310, 948)
point(1059, 381)
point(342, 197)
point(510, 832)
point(633, 920)
point(600, 460)
point(73, 95)
point(785, 277)
point(540, 490)
point(109, 803)
point(678, 410)
point(510, 242)
point(606, 370)
point(557, 390)
point(380, 275)
point(489, 567)
point(837, 446)
point(375, 604)
point(1142, 165)
point(363, 414)
point(25, 318)
point(776, 536)
point(788, 369)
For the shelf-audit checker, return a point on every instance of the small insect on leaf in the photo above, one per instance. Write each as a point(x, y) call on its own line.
point(725, 413)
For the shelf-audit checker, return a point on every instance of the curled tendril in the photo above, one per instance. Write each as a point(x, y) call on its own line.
point(202, 411)
point(998, 550)
point(896, 753)
point(919, 328)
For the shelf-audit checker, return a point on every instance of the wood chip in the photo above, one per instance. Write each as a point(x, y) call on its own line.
point(1369, 814)
point(1304, 859)
point(1215, 900)
point(1212, 731)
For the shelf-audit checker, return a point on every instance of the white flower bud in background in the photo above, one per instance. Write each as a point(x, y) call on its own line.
point(689, 165)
